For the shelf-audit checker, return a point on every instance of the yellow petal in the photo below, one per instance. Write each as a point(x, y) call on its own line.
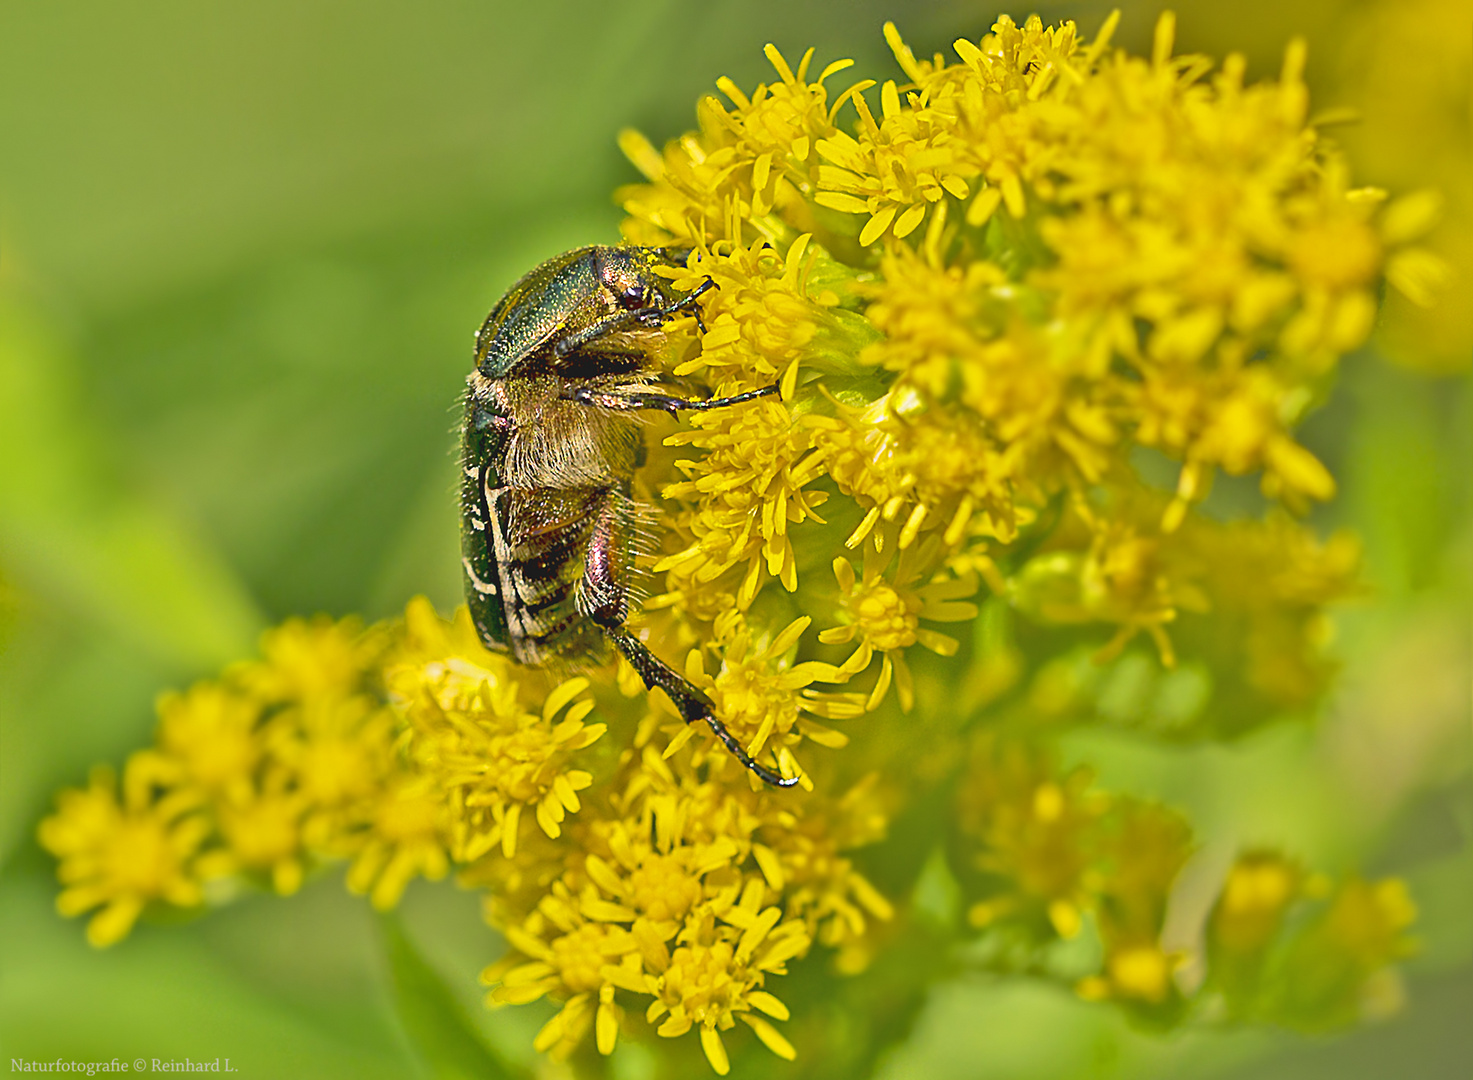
point(876, 226)
point(761, 999)
point(547, 821)
point(715, 1052)
point(837, 200)
point(112, 923)
point(606, 1027)
point(517, 995)
point(770, 865)
point(565, 793)
point(771, 1038)
point(1411, 215)
point(643, 156)
point(760, 169)
point(679, 741)
point(910, 220)
point(509, 830)
point(562, 695)
point(603, 875)
point(789, 382)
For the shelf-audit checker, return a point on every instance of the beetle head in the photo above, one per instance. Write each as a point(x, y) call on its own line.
point(627, 275)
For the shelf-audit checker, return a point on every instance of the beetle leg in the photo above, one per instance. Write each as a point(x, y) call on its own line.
point(689, 301)
point(604, 601)
point(690, 702)
point(603, 399)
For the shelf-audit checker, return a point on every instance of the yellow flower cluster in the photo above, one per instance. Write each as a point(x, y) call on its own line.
point(690, 894)
point(1177, 262)
point(1054, 851)
point(1250, 593)
point(405, 747)
point(1059, 858)
point(251, 775)
point(995, 307)
point(471, 724)
point(1063, 254)
point(1333, 965)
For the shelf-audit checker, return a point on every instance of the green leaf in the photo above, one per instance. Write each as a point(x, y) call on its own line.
point(434, 1020)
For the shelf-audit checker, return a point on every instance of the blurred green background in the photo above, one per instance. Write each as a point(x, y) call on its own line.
point(243, 249)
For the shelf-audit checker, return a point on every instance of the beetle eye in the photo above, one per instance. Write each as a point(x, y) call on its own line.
point(633, 296)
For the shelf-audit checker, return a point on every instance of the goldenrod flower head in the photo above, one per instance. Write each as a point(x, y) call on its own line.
point(405, 839)
point(746, 492)
point(770, 313)
point(263, 834)
point(471, 731)
point(1123, 577)
point(309, 658)
point(1368, 920)
point(1137, 971)
point(337, 749)
point(662, 886)
point(757, 693)
point(1259, 889)
point(1037, 830)
point(210, 731)
point(885, 616)
point(710, 985)
point(122, 854)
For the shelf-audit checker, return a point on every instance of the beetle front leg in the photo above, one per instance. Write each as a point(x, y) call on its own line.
point(689, 301)
point(604, 399)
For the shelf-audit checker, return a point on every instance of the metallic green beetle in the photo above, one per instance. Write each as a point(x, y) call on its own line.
point(548, 448)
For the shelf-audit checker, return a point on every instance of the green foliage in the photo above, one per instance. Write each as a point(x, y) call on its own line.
point(434, 1020)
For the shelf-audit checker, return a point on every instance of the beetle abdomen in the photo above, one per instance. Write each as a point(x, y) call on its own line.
point(554, 549)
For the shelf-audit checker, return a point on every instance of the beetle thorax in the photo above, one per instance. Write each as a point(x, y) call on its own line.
point(557, 443)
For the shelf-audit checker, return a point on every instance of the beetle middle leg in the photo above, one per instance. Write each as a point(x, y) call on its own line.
point(606, 399)
point(605, 602)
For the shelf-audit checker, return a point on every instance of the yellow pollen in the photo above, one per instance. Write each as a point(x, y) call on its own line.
point(578, 958)
point(662, 888)
point(140, 859)
point(888, 620)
